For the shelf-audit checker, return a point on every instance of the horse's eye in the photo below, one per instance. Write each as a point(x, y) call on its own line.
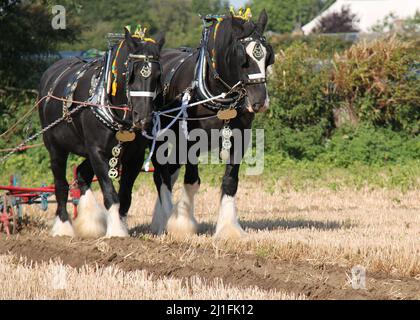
point(131, 76)
point(241, 54)
point(246, 63)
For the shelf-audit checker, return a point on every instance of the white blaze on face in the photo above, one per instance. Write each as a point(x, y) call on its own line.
point(258, 53)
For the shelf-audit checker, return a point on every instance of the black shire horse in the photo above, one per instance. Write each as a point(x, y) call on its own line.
point(233, 57)
point(129, 75)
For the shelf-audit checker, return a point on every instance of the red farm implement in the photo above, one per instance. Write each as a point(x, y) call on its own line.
point(14, 197)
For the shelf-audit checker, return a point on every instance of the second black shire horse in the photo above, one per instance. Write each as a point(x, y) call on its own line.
point(233, 57)
point(128, 77)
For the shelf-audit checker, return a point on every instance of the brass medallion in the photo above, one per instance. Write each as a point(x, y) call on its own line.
point(227, 114)
point(224, 154)
point(125, 136)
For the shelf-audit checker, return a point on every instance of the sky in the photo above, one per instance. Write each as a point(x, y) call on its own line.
point(238, 3)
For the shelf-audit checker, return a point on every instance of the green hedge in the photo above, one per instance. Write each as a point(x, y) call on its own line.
point(374, 85)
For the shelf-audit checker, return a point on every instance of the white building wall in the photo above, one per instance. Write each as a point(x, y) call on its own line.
point(369, 12)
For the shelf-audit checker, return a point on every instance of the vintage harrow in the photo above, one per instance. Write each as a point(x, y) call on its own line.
point(14, 197)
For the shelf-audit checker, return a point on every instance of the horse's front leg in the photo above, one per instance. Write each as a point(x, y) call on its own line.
point(115, 226)
point(91, 217)
point(227, 224)
point(182, 222)
point(132, 161)
point(62, 224)
point(164, 177)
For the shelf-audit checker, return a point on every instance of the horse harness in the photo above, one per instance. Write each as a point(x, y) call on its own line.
point(98, 96)
point(205, 62)
point(98, 88)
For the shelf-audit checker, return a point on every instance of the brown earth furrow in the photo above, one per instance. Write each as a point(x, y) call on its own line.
point(178, 259)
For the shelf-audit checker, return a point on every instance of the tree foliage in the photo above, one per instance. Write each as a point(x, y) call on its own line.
point(286, 15)
point(336, 22)
point(27, 36)
point(178, 19)
point(389, 23)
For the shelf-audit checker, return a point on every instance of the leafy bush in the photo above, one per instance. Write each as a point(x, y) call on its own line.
point(326, 45)
point(299, 88)
point(369, 145)
point(376, 83)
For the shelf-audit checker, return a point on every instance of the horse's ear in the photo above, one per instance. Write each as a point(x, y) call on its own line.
point(129, 40)
point(262, 21)
point(160, 40)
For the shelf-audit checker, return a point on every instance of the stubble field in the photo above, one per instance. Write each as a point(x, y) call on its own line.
point(299, 245)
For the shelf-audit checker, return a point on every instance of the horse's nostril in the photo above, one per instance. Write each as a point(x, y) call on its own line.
point(256, 107)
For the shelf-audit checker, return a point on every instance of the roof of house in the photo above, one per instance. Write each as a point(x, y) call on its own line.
point(369, 12)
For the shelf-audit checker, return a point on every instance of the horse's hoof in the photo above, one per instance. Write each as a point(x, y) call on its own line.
point(230, 232)
point(118, 232)
point(159, 221)
point(90, 225)
point(180, 226)
point(116, 227)
point(61, 229)
point(157, 229)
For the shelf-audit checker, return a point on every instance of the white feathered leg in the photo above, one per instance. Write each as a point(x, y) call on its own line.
point(91, 217)
point(182, 222)
point(163, 207)
point(115, 226)
point(61, 228)
point(227, 224)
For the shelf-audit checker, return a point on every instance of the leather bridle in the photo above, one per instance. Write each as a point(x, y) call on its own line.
point(235, 94)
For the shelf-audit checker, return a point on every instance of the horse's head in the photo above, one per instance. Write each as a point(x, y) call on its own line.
point(241, 53)
point(142, 76)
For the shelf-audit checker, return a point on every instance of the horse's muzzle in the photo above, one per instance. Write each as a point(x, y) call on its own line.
point(257, 107)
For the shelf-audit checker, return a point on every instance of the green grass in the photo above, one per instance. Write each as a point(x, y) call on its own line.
point(33, 169)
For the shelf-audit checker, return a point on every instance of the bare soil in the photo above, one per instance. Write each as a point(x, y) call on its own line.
point(181, 260)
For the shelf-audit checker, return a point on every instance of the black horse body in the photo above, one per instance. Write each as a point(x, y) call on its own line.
point(85, 135)
point(233, 64)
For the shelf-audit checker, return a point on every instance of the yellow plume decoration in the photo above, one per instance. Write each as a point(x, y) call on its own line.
point(241, 14)
point(114, 88)
point(114, 70)
point(140, 33)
